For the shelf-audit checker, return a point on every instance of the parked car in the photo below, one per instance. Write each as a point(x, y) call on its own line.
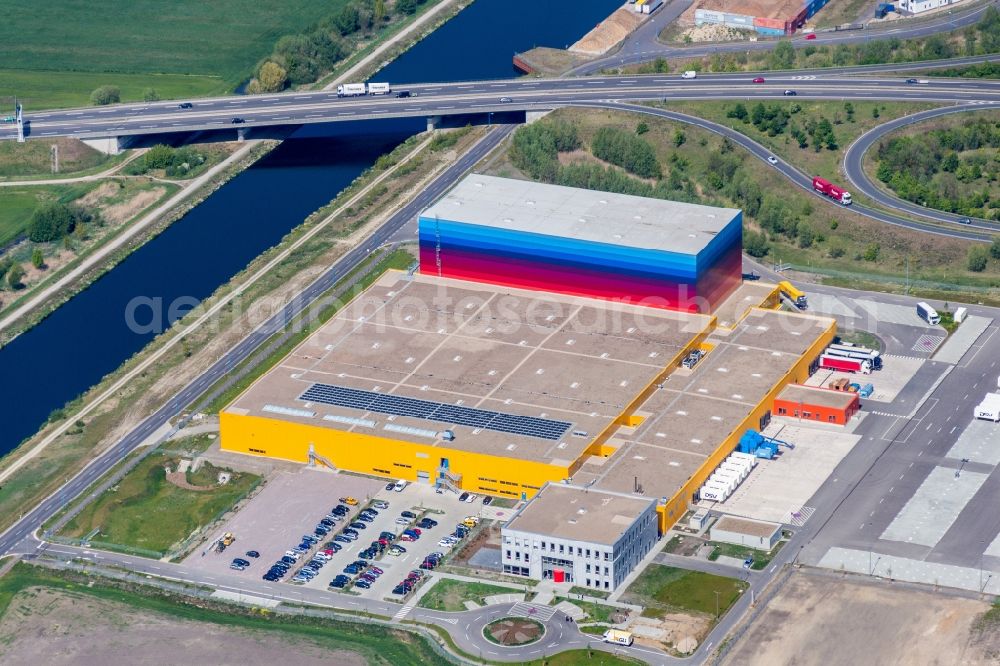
point(463, 497)
point(349, 501)
point(472, 498)
point(380, 504)
point(408, 514)
point(389, 486)
point(363, 584)
point(487, 500)
point(342, 539)
point(358, 525)
point(402, 521)
point(253, 553)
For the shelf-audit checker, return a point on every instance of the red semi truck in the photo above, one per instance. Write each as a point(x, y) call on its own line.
point(844, 364)
point(827, 188)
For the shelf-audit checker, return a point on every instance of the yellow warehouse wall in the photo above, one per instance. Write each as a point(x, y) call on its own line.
point(383, 456)
point(670, 512)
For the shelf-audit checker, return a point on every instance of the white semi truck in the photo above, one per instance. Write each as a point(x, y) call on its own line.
point(359, 89)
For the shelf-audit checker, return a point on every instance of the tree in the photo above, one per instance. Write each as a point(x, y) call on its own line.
point(872, 252)
point(783, 55)
point(14, 276)
point(379, 14)
point(406, 6)
point(849, 110)
point(977, 258)
point(679, 137)
point(271, 77)
point(51, 222)
point(874, 112)
point(37, 260)
point(641, 128)
point(739, 112)
point(150, 95)
point(106, 95)
point(995, 248)
point(755, 244)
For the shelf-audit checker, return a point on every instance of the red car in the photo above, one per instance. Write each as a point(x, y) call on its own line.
point(759, 79)
point(811, 35)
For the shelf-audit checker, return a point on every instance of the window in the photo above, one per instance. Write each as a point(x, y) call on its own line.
point(782, 411)
point(606, 585)
point(508, 554)
point(588, 570)
point(579, 550)
point(588, 552)
point(588, 582)
point(562, 549)
point(832, 418)
point(527, 558)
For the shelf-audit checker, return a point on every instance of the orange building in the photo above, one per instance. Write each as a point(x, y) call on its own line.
point(811, 403)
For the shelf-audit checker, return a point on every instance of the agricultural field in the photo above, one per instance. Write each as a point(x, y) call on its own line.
point(56, 53)
point(148, 512)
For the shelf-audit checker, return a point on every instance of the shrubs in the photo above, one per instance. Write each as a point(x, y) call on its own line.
point(977, 259)
point(106, 95)
point(628, 151)
point(51, 222)
point(176, 162)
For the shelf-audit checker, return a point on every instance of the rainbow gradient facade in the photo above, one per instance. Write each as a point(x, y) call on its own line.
point(571, 241)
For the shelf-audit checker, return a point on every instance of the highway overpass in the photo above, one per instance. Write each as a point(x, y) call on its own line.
point(435, 100)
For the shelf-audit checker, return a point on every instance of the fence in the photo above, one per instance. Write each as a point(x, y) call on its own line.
point(910, 283)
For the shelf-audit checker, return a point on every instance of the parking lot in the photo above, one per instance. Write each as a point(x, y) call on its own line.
point(418, 499)
point(289, 506)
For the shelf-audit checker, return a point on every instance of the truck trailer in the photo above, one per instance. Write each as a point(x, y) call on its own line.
point(794, 294)
point(379, 89)
point(826, 188)
point(928, 314)
point(859, 353)
point(830, 362)
point(989, 408)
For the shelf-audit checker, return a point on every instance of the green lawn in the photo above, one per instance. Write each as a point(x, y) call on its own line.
point(662, 589)
point(595, 612)
point(208, 46)
point(374, 644)
point(18, 203)
point(449, 595)
point(34, 158)
point(761, 558)
point(146, 511)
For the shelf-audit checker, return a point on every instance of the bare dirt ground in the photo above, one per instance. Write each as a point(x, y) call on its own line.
point(126, 210)
point(826, 620)
point(52, 627)
point(609, 32)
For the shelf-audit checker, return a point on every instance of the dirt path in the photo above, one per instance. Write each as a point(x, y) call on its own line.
point(122, 239)
point(392, 41)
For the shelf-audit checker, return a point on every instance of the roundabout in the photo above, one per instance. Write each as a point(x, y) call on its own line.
point(514, 631)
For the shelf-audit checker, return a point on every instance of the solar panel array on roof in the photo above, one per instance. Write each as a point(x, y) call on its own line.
point(383, 403)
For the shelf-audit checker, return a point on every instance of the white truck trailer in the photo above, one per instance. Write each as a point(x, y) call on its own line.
point(989, 408)
point(352, 90)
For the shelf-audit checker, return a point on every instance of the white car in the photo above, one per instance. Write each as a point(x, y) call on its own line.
point(772, 160)
point(380, 504)
point(471, 498)
point(402, 521)
point(444, 543)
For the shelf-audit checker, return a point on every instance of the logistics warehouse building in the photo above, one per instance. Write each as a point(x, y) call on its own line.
point(491, 388)
point(563, 239)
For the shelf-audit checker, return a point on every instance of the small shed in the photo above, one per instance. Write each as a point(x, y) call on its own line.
point(745, 532)
point(817, 404)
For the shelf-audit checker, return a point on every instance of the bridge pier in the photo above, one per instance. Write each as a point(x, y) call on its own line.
point(109, 145)
point(433, 122)
point(241, 134)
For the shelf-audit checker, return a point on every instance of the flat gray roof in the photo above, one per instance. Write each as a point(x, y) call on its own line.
point(813, 395)
point(571, 512)
point(757, 528)
point(569, 212)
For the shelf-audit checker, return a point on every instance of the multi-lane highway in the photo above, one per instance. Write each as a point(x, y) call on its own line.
point(440, 99)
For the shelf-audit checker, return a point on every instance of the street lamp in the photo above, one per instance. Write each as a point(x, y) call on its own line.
point(716, 604)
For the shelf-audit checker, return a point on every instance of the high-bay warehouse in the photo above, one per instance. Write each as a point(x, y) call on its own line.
point(544, 341)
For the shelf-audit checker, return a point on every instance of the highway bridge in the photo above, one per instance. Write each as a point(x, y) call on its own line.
point(243, 114)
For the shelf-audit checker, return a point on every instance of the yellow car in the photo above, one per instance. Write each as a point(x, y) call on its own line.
point(349, 501)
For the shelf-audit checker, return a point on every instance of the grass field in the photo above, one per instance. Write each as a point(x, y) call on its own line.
point(34, 158)
point(18, 203)
point(761, 558)
point(661, 589)
point(66, 48)
point(143, 606)
point(146, 511)
point(450, 595)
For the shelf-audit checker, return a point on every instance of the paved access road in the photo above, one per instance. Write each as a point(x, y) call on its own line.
point(248, 345)
point(854, 167)
point(644, 44)
point(804, 181)
point(439, 99)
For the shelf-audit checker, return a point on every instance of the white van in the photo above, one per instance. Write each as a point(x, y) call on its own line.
point(690, 74)
point(618, 637)
point(399, 486)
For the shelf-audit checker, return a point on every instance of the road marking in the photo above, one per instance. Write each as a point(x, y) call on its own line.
point(402, 612)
